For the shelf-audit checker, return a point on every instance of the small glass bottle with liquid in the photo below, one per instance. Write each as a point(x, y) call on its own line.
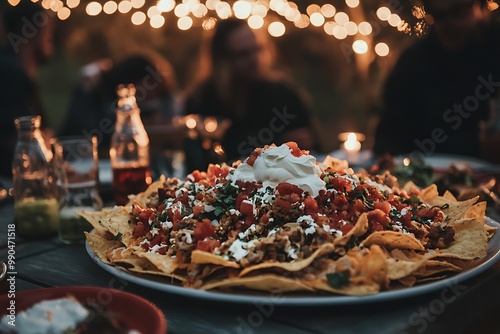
point(129, 151)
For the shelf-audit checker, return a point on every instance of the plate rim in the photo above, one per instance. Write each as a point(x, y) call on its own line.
point(334, 300)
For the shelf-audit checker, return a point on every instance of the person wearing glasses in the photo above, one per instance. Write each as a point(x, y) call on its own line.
point(239, 88)
point(438, 96)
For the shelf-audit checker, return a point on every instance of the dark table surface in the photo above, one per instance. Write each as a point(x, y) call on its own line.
point(469, 307)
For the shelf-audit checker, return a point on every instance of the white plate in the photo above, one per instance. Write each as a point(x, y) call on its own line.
point(305, 300)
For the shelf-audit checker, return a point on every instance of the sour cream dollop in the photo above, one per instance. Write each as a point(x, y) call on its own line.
point(277, 164)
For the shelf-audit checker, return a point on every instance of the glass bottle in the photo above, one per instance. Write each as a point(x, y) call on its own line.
point(129, 152)
point(35, 189)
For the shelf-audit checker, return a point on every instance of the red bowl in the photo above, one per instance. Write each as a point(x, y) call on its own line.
point(134, 311)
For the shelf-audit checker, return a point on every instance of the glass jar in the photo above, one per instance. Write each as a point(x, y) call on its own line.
point(35, 190)
point(129, 151)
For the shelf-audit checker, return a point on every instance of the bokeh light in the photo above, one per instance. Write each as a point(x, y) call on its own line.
point(352, 3)
point(341, 18)
point(242, 9)
point(317, 19)
point(276, 29)
point(138, 18)
point(164, 5)
point(255, 22)
point(72, 3)
point(110, 7)
point(93, 8)
point(351, 28)
point(124, 6)
point(394, 20)
point(63, 13)
point(360, 46)
point(383, 13)
point(339, 32)
point(184, 23)
point(311, 9)
point(157, 21)
point(365, 28)
point(382, 49)
point(328, 10)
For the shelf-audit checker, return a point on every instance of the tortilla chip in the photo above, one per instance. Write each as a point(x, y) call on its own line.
point(429, 193)
point(202, 257)
point(268, 282)
point(393, 239)
point(164, 263)
point(408, 281)
point(410, 187)
point(360, 228)
point(290, 266)
point(449, 196)
point(101, 246)
point(470, 242)
point(115, 221)
point(143, 198)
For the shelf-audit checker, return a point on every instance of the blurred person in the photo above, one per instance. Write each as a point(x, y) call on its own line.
point(438, 95)
point(238, 87)
point(29, 31)
point(92, 107)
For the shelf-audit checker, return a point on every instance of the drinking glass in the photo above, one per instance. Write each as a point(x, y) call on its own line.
point(78, 170)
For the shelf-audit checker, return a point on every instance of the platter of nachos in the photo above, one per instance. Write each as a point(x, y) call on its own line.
point(281, 222)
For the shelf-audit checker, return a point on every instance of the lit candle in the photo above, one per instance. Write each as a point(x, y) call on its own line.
point(352, 144)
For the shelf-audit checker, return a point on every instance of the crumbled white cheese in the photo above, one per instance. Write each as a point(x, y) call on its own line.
point(238, 249)
point(209, 208)
point(214, 222)
point(154, 231)
point(310, 230)
point(189, 240)
point(234, 212)
point(249, 231)
point(166, 225)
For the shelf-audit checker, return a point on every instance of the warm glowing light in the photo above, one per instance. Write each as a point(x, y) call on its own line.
point(153, 11)
point(110, 7)
point(317, 19)
point(72, 3)
point(341, 18)
point(328, 10)
point(360, 46)
point(292, 14)
point(93, 8)
point(200, 10)
point(138, 18)
point(181, 10)
point(211, 4)
point(124, 7)
point(56, 5)
point(329, 26)
point(383, 13)
point(282, 7)
point(223, 10)
point(352, 3)
point(259, 10)
point(165, 5)
point(365, 28)
point(302, 22)
point(394, 20)
point(63, 13)
point(191, 122)
point(184, 23)
point(492, 5)
point(138, 3)
point(210, 124)
point(218, 149)
point(157, 21)
point(311, 9)
point(352, 144)
point(382, 49)
point(14, 2)
point(339, 32)
point(255, 22)
point(406, 162)
point(242, 9)
point(209, 24)
point(276, 29)
point(351, 28)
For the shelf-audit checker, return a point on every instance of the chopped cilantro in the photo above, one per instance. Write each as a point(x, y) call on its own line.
point(337, 280)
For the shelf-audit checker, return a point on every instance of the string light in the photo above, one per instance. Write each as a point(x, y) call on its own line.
point(360, 46)
point(328, 10)
point(394, 20)
point(184, 23)
point(124, 6)
point(56, 5)
point(153, 11)
point(242, 9)
point(200, 10)
point(110, 7)
point(329, 26)
point(382, 49)
point(223, 10)
point(365, 28)
point(72, 3)
point(313, 8)
point(163, 5)
point(14, 2)
point(211, 4)
point(339, 32)
point(255, 22)
point(317, 19)
point(181, 10)
point(138, 18)
point(351, 28)
point(276, 29)
point(259, 10)
point(383, 13)
point(302, 22)
point(341, 18)
point(63, 13)
point(93, 8)
point(352, 3)
point(157, 21)
point(209, 23)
